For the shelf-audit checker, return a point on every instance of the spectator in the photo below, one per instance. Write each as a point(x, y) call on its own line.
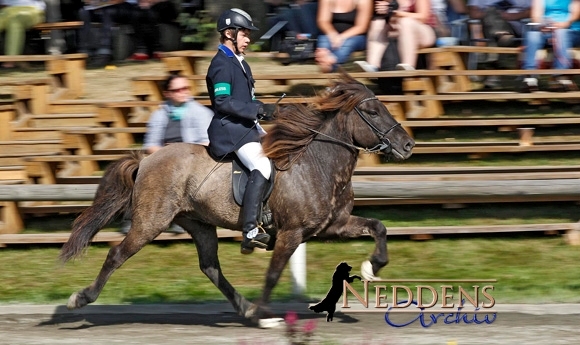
point(413, 26)
point(343, 24)
point(57, 44)
point(446, 13)
point(300, 15)
point(114, 12)
point(555, 22)
point(17, 16)
point(179, 119)
point(234, 128)
point(501, 20)
point(148, 16)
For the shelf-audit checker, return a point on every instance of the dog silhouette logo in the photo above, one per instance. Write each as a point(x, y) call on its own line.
point(328, 304)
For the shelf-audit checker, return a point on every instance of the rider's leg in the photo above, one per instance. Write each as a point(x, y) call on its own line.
point(252, 156)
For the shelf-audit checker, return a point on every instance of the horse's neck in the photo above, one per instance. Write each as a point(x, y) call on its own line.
point(335, 159)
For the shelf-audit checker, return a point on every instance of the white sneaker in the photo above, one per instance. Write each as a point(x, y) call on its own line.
point(367, 67)
point(404, 67)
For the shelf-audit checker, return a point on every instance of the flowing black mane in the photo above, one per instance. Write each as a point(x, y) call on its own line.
point(292, 130)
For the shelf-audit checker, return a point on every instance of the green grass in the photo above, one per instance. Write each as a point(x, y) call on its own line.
point(533, 269)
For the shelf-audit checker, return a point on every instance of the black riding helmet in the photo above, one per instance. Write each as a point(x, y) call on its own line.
point(235, 19)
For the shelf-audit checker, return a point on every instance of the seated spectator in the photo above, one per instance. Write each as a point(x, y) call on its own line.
point(147, 17)
point(17, 16)
point(447, 12)
point(57, 44)
point(300, 17)
point(412, 24)
point(179, 119)
point(343, 24)
point(555, 22)
point(501, 20)
point(117, 11)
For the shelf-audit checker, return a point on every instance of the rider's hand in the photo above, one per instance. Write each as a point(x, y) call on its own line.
point(266, 111)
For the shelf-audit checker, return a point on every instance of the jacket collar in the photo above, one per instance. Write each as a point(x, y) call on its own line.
point(226, 50)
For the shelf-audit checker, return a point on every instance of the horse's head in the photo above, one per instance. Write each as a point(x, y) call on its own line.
point(372, 126)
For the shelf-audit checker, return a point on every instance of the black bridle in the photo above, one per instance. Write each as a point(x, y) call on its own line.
point(385, 144)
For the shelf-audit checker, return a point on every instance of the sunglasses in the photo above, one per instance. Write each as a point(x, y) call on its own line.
point(181, 89)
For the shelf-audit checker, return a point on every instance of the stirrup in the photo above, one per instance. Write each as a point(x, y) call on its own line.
point(260, 240)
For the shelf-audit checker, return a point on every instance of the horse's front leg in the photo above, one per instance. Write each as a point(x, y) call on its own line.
point(206, 242)
point(286, 243)
point(357, 227)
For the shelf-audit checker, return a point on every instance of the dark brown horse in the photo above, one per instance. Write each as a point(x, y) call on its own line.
point(315, 149)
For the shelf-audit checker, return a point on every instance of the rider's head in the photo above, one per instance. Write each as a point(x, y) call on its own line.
point(234, 26)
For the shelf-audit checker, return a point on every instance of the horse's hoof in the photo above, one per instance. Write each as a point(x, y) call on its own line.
point(270, 323)
point(72, 301)
point(366, 271)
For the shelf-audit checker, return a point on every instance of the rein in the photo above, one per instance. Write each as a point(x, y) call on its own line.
point(385, 142)
point(384, 145)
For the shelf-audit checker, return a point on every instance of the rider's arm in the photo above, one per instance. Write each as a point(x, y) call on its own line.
point(226, 100)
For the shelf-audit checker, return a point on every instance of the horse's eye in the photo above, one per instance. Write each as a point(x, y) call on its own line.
point(373, 113)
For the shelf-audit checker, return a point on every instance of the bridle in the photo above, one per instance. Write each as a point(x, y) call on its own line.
point(384, 146)
point(385, 142)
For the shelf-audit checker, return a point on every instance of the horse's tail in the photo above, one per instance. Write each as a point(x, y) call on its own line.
point(113, 197)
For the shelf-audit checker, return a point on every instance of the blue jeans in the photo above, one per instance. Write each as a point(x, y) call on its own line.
point(565, 39)
point(350, 45)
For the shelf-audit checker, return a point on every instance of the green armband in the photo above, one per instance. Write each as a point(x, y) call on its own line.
point(222, 89)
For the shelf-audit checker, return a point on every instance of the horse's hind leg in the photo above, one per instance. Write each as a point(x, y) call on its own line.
point(206, 242)
point(357, 227)
point(136, 239)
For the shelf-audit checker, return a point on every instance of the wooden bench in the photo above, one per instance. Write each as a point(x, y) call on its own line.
point(66, 71)
point(27, 96)
point(46, 28)
point(100, 138)
point(521, 124)
point(55, 169)
point(477, 149)
point(10, 220)
point(422, 97)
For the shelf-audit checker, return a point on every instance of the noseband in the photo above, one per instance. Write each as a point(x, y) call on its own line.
point(385, 144)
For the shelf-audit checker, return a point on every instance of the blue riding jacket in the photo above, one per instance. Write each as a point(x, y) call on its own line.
point(231, 90)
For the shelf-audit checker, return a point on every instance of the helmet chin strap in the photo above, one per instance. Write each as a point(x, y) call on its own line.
point(235, 41)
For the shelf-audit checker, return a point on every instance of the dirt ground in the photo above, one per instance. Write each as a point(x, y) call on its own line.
point(218, 324)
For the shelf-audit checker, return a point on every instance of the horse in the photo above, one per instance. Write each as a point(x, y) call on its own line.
point(314, 149)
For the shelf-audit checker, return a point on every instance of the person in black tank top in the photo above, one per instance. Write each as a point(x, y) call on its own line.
point(343, 24)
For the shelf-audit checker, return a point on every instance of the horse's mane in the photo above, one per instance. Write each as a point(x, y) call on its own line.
point(293, 124)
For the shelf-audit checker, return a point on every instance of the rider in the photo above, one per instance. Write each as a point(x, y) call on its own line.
point(235, 127)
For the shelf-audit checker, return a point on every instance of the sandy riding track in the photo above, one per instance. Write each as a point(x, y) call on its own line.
point(217, 324)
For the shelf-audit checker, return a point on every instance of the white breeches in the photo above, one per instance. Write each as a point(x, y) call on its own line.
point(252, 156)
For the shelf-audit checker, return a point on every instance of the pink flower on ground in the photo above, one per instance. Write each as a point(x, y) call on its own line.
point(309, 326)
point(291, 318)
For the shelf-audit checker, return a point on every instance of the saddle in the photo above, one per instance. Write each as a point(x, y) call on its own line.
point(240, 176)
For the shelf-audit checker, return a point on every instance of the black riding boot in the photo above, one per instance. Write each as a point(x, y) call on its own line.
point(251, 209)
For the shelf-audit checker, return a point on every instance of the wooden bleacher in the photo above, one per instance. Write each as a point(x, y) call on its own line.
point(65, 71)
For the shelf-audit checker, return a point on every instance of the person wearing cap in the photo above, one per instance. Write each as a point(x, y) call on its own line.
point(234, 127)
